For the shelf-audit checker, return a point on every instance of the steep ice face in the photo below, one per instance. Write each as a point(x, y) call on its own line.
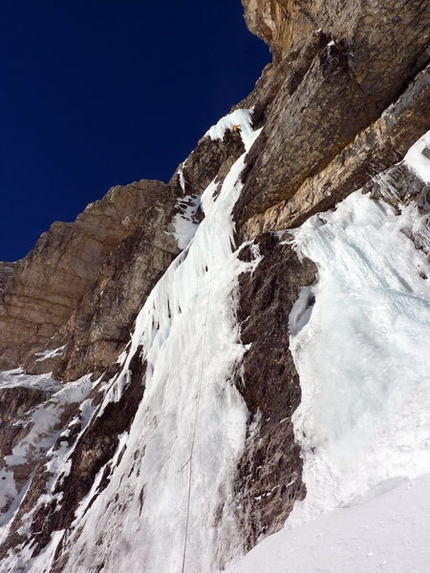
point(169, 500)
point(185, 224)
point(362, 355)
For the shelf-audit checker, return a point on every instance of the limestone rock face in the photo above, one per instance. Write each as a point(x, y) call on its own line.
point(269, 477)
point(7, 272)
point(363, 24)
point(100, 327)
point(68, 288)
point(373, 149)
point(335, 84)
point(281, 23)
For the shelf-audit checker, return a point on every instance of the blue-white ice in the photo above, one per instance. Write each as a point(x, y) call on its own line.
point(176, 464)
point(362, 355)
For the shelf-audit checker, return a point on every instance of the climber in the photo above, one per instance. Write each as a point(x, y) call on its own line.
point(236, 129)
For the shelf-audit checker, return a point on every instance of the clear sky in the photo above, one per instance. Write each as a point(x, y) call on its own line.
point(95, 93)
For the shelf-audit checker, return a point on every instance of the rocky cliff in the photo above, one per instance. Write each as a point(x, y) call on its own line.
point(347, 94)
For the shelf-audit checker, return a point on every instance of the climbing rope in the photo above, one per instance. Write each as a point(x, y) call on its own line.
point(197, 410)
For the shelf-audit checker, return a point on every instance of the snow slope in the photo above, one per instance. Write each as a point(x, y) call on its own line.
point(387, 534)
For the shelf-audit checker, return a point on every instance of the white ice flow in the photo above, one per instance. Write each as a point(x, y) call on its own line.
point(362, 355)
point(184, 223)
point(171, 485)
point(360, 340)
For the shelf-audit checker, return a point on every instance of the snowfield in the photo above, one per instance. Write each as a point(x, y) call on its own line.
point(387, 534)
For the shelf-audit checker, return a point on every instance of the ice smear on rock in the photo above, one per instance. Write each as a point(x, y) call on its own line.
point(418, 158)
point(40, 429)
point(185, 223)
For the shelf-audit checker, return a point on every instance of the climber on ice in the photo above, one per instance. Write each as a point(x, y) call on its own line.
point(236, 128)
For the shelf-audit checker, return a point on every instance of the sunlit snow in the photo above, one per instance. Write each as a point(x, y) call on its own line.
point(240, 117)
point(387, 534)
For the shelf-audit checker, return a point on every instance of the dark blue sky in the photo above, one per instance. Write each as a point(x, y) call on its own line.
point(96, 93)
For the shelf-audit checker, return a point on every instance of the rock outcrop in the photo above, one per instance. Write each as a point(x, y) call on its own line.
point(359, 80)
point(60, 303)
point(373, 150)
point(269, 478)
point(100, 327)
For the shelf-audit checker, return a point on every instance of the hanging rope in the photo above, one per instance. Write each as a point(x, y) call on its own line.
point(197, 410)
